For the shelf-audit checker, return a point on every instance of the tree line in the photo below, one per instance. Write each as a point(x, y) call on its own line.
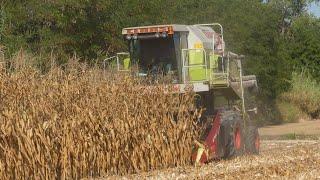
point(277, 37)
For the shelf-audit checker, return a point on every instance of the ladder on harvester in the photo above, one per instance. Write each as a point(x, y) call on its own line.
point(214, 67)
point(206, 66)
point(218, 64)
point(219, 70)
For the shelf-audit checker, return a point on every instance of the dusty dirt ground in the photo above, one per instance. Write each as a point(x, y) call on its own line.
point(301, 128)
point(287, 159)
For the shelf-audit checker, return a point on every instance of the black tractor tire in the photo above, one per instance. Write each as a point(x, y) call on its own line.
point(234, 135)
point(252, 140)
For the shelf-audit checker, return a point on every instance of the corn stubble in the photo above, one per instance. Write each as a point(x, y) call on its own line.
point(77, 123)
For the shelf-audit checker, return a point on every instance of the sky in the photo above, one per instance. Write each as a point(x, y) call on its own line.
point(315, 9)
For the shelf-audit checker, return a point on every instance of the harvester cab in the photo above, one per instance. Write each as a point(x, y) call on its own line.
point(196, 59)
point(192, 54)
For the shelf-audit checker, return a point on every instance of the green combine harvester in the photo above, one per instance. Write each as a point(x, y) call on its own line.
point(196, 59)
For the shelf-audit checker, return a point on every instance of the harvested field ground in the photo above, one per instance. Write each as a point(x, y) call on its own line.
point(279, 159)
point(307, 128)
point(287, 159)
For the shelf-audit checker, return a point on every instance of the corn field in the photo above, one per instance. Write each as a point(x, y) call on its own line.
point(78, 122)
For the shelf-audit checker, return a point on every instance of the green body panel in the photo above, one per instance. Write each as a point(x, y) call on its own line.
point(126, 63)
point(196, 57)
point(197, 73)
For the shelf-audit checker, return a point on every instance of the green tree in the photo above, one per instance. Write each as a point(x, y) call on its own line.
point(276, 36)
point(305, 45)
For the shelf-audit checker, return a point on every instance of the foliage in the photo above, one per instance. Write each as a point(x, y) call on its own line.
point(305, 94)
point(277, 37)
point(290, 112)
point(88, 28)
point(305, 45)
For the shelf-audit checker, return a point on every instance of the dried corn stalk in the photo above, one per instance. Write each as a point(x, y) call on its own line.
point(78, 123)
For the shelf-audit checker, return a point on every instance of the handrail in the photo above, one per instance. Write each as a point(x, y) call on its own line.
point(104, 62)
point(228, 69)
point(118, 60)
point(115, 57)
point(196, 66)
point(235, 55)
point(107, 59)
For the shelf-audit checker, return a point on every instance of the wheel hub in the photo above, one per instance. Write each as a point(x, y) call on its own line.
point(237, 138)
point(257, 143)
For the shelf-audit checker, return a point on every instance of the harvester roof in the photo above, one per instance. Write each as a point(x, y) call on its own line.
point(155, 28)
point(199, 35)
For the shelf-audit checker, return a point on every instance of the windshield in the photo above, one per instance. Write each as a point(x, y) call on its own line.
point(154, 56)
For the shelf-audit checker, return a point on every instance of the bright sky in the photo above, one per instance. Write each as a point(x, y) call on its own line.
point(315, 9)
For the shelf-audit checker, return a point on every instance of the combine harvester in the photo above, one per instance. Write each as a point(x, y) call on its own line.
point(195, 57)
